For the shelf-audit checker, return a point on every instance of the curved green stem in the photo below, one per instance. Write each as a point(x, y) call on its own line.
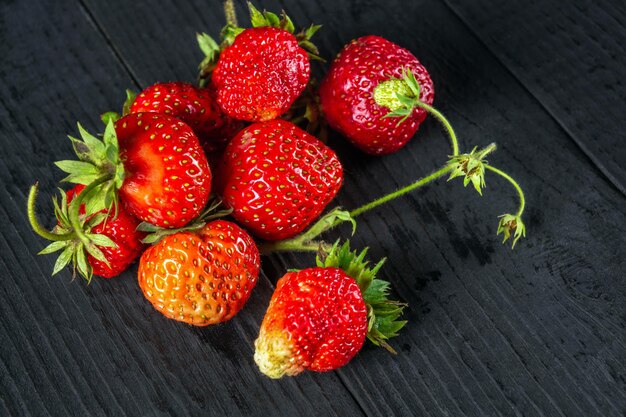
point(229, 12)
point(34, 223)
point(446, 124)
point(289, 245)
point(404, 190)
point(522, 200)
point(74, 208)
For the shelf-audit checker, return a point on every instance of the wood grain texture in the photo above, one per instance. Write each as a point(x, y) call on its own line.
point(71, 349)
point(571, 57)
point(535, 332)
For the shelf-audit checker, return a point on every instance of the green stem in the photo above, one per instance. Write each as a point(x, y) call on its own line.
point(74, 209)
point(404, 190)
point(289, 245)
point(490, 148)
point(439, 116)
point(34, 223)
point(229, 12)
point(522, 200)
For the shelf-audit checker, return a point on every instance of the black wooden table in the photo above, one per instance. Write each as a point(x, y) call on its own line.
point(536, 331)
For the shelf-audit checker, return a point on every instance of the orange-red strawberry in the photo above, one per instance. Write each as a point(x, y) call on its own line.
point(277, 178)
point(318, 318)
point(258, 72)
point(202, 277)
point(371, 80)
point(94, 240)
point(154, 160)
point(194, 106)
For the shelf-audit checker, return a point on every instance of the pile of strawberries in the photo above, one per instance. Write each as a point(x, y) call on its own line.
point(187, 176)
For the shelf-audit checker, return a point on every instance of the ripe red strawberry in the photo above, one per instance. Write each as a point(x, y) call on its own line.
point(202, 277)
point(277, 178)
point(121, 229)
point(154, 160)
point(194, 106)
point(318, 318)
point(360, 94)
point(95, 241)
point(261, 74)
point(258, 72)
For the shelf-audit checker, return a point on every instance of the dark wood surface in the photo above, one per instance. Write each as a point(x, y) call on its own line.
point(539, 331)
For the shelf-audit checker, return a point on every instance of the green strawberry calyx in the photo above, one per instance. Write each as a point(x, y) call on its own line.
point(212, 50)
point(73, 234)
point(214, 210)
point(382, 313)
point(401, 96)
point(98, 162)
point(511, 226)
point(471, 167)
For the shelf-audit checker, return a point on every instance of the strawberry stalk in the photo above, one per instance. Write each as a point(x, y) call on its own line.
point(470, 166)
point(401, 97)
point(230, 13)
point(73, 235)
point(34, 222)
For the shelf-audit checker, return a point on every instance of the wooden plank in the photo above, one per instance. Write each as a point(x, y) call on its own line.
point(570, 56)
point(72, 349)
point(534, 332)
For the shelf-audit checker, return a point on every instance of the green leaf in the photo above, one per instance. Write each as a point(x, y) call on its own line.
point(81, 262)
point(406, 101)
point(109, 116)
point(96, 219)
point(228, 35)
point(272, 19)
point(376, 292)
point(130, 98)
point(77, 167)
point(286, 23)
point(257, 19)
point(91, 141)
point(410, 80)
point(110, 141)
point(147, 227)
point(83, 179)
point(101, 240)
point(60, 210)
point(64, 258)
point(95, 200)
point(94, 251)
point(81, 149)
point(311, 30)
point(309, 47)
point(53, 247)
point(207, 45)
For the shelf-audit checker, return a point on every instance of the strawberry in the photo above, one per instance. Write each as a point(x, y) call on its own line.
point(194, 106)
point(200, 277)
point(154, 160)
point(369, 86)
point(95, 242)
point(259, 72)
point(277, 178)
point(318, 318)
point(121, 229)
